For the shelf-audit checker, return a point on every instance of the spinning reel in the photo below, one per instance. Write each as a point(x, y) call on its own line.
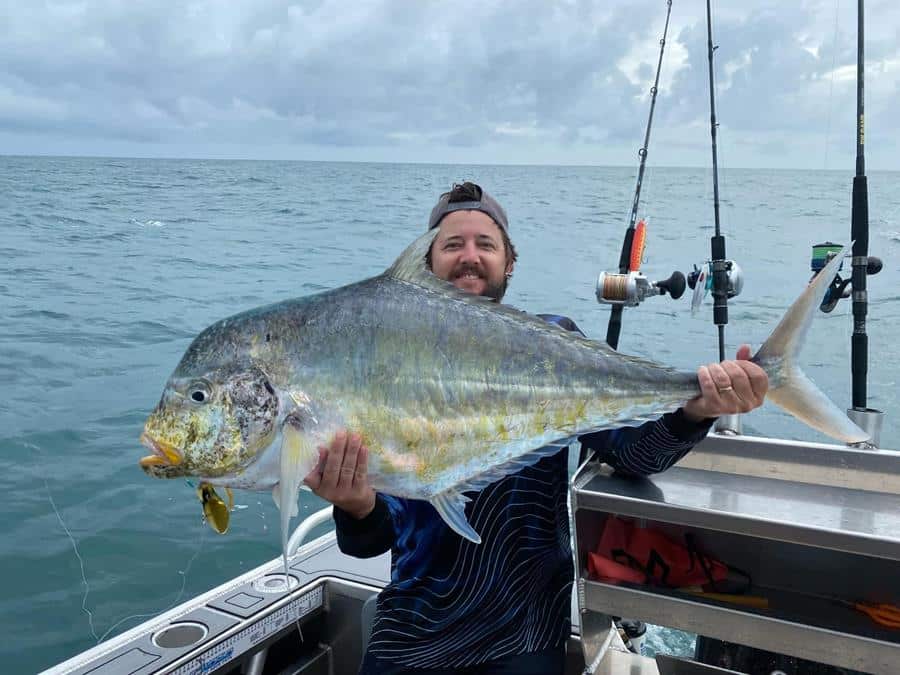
point(839, 288)
point(701, 279)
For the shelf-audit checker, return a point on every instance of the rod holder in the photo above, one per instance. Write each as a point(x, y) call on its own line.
point(870, 421)
point(730, 425)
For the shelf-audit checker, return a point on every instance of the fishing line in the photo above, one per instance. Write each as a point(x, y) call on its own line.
point(87, 588)
point(831, 83)
point(184, 575)
point(86, 584)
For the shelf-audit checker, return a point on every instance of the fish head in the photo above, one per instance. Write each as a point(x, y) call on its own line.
point(210, 424)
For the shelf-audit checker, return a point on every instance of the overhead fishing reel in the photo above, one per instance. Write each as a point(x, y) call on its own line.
point(631, 288)
point(838, 288)
point(701, 280)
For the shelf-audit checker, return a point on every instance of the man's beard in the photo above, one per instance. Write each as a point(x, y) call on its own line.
point(495, 291)
point(492, 290)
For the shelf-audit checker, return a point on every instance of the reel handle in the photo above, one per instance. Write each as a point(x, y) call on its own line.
point(674, 285)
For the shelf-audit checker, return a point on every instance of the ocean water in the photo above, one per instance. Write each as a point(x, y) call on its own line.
point(109, 267)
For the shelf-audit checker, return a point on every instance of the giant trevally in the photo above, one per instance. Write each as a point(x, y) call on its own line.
point(448, 390)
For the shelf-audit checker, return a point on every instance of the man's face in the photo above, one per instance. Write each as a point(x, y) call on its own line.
point(469, 253)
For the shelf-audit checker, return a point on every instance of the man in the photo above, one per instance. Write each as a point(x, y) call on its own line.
point(502, 606)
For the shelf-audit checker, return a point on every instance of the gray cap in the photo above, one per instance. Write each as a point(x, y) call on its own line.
point(486, 204)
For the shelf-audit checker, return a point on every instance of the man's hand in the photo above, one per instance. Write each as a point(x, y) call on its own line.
point(341, 476)
point(728, 388)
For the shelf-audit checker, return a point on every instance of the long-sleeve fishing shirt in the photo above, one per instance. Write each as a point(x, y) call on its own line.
point(451, 603)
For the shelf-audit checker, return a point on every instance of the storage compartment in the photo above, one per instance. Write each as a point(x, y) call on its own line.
point(804, 547)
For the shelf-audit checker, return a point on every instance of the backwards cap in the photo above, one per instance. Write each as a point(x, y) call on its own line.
point(485, 203)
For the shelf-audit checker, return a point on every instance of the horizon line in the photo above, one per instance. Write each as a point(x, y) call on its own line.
point(419, 163)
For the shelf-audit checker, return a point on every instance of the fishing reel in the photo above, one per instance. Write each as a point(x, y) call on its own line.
point(839, 288)
point(701, 279)
point(632, 288)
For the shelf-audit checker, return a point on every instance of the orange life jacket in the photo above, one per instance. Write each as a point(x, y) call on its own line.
point(643, 555)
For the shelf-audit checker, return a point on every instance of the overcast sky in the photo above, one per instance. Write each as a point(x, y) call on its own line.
point(488, 81)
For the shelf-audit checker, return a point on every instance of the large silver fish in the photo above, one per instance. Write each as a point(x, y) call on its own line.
point(449, 391)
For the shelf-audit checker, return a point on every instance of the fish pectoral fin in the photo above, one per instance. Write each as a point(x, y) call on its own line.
point(298, 456)
point(451, 506)
point(295, 458)
point(276, 495)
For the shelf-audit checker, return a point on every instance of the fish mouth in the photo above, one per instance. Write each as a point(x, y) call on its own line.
point(164, 454)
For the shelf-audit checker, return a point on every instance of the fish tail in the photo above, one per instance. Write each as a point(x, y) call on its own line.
point(789, 387)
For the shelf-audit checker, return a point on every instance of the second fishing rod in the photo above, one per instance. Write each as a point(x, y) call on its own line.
point(629, 287)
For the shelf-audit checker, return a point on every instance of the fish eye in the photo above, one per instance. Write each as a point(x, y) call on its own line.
point(199, 392)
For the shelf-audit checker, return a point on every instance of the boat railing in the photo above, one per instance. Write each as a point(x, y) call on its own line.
point(303, 530)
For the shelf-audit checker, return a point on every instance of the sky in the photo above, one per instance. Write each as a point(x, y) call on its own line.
point(472, 82)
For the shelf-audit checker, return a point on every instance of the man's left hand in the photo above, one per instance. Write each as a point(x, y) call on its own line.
point(728, 388)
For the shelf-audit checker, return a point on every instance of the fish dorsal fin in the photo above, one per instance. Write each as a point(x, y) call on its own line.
point(410, 265)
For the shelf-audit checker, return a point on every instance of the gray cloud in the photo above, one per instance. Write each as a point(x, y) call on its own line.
point(782, 77)
point(408, 78)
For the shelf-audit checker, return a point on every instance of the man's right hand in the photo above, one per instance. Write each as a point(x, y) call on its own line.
point(341, 476)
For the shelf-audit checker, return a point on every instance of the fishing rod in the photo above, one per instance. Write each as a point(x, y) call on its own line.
point(720, 276)
point(862, 264)
point(630, 287)
point(717, 243)
point(859, 232)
